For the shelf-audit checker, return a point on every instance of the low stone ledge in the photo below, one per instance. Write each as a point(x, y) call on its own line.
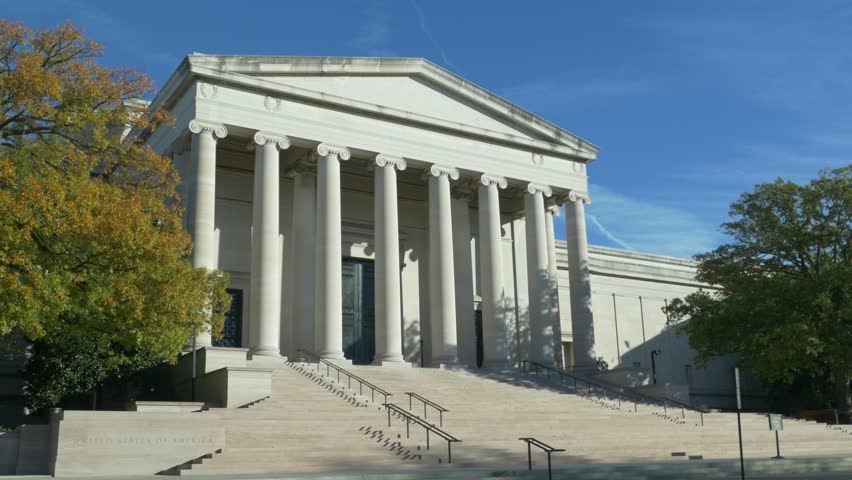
point(229, 387)
point(152, 406)
point(103, 443)
point(209, 359)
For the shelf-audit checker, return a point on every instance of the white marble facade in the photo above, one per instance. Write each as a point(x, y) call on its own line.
point(291, 164)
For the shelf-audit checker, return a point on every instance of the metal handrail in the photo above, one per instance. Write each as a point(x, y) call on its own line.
point(430, 428)
point(430, 403)
point(620, 392)
point(547, 448)
point(361, 382)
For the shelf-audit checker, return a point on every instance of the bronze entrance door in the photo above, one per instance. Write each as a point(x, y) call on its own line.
point(359, 320)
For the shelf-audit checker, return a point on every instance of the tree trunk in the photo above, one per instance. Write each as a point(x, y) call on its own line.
point(843, 398)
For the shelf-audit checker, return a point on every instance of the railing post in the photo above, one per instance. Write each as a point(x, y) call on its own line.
point(409, 402)
point(407, 425)
point(441, 417)
point(389, 413)
point(665, 407)
point(549, 473)
point(529, 455)
point(427, 438)
point(449, 451)
point(682, 413)
point(702, 417)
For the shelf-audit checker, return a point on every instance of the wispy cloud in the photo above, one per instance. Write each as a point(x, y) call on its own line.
point(609, 235)
point(373, 37)
point(424, 26)
point(638, 224)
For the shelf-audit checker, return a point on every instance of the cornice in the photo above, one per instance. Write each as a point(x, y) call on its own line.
point(267, 87)
point(217, 130)
point(247, 65)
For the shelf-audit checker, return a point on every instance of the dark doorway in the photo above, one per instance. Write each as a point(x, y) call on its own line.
point(359, 318)
point(232, 331)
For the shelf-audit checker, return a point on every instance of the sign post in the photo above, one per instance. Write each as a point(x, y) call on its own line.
point(776, 423)
point(739, 421)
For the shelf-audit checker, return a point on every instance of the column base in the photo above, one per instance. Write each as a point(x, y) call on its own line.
point(392, 363)
point(263, 360)
point(340, 361)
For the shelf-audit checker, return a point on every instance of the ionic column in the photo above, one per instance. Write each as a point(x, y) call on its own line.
point(266, 245)
point(205, 236)
point(442, 303)
point(329, 262)
point(495, 352)
point(553, 282)
point(579, 281)
point(304, 255)
point(388, 301)
point(541, 326)
point(463, 270)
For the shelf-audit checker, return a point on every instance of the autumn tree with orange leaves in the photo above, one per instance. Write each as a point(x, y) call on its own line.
point(94, 264)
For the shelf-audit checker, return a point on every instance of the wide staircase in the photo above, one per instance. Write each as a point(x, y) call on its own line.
point(319, 421)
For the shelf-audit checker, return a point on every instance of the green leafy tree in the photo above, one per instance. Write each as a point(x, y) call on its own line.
point(784, 303)
point(92, 252)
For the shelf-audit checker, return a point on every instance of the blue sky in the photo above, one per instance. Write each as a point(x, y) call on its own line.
point(692, 103)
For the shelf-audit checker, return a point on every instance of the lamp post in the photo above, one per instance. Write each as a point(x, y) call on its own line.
point(654, 353)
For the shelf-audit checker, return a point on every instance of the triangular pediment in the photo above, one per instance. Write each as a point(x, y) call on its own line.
point(408, 87)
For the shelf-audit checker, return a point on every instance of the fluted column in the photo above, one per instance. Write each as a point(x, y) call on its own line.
point(329, 261)
point(541, 326)
point(494, 341)
point(441, 274)
point(266, 245)
point(388, 301)
point(579, 281)
point(553, 283)
point(304, 255)
point(205, 236)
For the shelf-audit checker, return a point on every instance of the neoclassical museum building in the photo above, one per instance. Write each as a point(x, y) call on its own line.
point(386, 211)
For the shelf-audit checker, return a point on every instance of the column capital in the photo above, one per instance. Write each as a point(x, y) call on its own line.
point(539, 188)
point(326, 149)
point(487, 180)
point(554, 210)
point(383, 160)
point(216, 129)
point(438, 170)
point(577, 196)
point(281, 142)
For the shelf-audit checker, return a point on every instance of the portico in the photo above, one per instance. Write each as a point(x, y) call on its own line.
point(439, 201)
